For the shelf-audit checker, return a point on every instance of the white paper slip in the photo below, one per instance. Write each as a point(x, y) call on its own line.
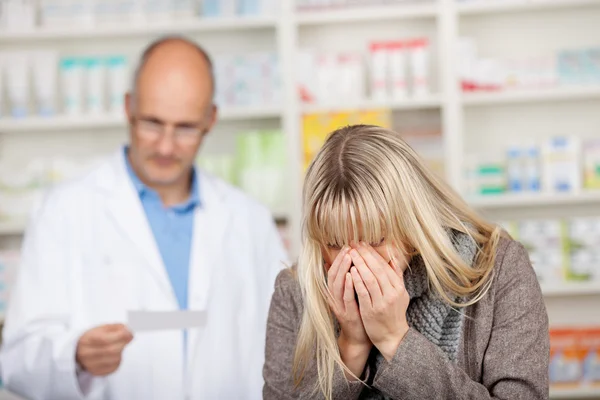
point(140, 321)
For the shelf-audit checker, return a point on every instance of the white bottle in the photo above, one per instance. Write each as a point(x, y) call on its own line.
point(45, 79)
point(397, 53)
point(71, 71)
point(117, 82)
point(17, 82)
point(419, 61)
point(95, 82)
point(515, 170)
point(379, 71)
point(532, 169)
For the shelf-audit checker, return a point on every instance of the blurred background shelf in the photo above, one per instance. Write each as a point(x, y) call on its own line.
point(368, 13)
point(108, 121)
point(429, 102)
point(576, 393)
point(564, 289)
point(505, 6)
point(529, 96)
point(188, 26)
point(534, 200)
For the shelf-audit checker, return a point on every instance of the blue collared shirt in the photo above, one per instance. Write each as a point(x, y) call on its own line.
point(172, 228)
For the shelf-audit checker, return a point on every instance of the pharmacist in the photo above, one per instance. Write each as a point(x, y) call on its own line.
point(146, 232)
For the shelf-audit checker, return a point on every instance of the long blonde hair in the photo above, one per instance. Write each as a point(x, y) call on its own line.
point(366, 183)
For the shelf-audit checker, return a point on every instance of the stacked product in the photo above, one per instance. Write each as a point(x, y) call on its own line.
point(393, 70)
point(92, 84)
point(248, 79)
point(334, 4)
point(560, 250)
point(575, 358)
point(258, 167)
point(20, 15)
point(77, 85)
point(559, 165)
point(565, 67)
point(22, 184)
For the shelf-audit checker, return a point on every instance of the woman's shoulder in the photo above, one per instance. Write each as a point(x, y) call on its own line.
point(513, 265)
point(287, 288)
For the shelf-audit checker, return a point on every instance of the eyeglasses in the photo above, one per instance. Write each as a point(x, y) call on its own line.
point(154, 130)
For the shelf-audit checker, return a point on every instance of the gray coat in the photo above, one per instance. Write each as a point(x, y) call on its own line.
point(503, 354)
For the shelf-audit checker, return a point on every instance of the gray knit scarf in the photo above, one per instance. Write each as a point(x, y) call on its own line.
point(427, 312)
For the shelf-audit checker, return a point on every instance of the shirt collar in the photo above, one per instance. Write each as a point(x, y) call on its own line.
point(143, 190)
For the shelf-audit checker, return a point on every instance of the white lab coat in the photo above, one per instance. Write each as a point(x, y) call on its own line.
point(89, 256)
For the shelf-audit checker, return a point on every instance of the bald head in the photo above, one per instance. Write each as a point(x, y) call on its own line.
point(174, 55)
point(170, 110)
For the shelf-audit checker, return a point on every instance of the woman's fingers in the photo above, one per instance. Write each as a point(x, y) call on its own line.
point(367, 277)
point(364, 298)
point(332, 272)
point(349, 299)
point(379, 267)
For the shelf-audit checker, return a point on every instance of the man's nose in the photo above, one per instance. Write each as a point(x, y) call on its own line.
point(166, 143)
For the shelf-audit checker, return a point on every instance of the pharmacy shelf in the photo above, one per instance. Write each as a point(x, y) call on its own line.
point(576, 393)
point(367, 13)
point(476, 7)
point(196, 25)
point(530, 96)
point(427, 102)
point(571, 289)
point(534, 200)
point(111, 121)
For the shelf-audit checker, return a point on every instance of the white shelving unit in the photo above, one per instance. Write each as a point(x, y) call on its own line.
point(478, 7)
point(368, 14)
point(576, 393)
point(142, 29)
point(539, 96)
point(508, 201)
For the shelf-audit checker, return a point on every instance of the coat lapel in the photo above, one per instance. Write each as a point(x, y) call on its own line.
point(126, 210)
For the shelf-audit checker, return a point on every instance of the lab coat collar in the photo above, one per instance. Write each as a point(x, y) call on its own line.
point(211, 221)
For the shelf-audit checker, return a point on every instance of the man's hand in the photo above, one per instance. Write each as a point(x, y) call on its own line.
point(99, 350)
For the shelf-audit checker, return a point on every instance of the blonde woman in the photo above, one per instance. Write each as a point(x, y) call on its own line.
point(401, 290)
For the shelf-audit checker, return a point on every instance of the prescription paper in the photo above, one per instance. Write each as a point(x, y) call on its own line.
point(145, 321)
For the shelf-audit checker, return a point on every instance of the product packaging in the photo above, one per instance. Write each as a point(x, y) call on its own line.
point(532, 169)
point(17, 82)
point(566, 358)
point(572, 68)
point(378, 76)
point(45, 78)
point(591, 162)
point(583, 249)
point(419, 62)
point(18, 15)
point(515, 169)
point(350, 80)
point(219, 8)
point(561, 165)
point(593, 65)
point(118, 76)
point(546, 243)
point(485, 177)
point(183, 9)
point(95, 82)
point(327, 85)
point(307, 65)
point(72, 74)
point(397, 55)
point(467, 59)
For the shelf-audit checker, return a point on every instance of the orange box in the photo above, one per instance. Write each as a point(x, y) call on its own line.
point(566, 358)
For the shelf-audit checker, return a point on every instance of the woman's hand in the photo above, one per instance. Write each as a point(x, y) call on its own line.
point(353, 342)
point(382, 297)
